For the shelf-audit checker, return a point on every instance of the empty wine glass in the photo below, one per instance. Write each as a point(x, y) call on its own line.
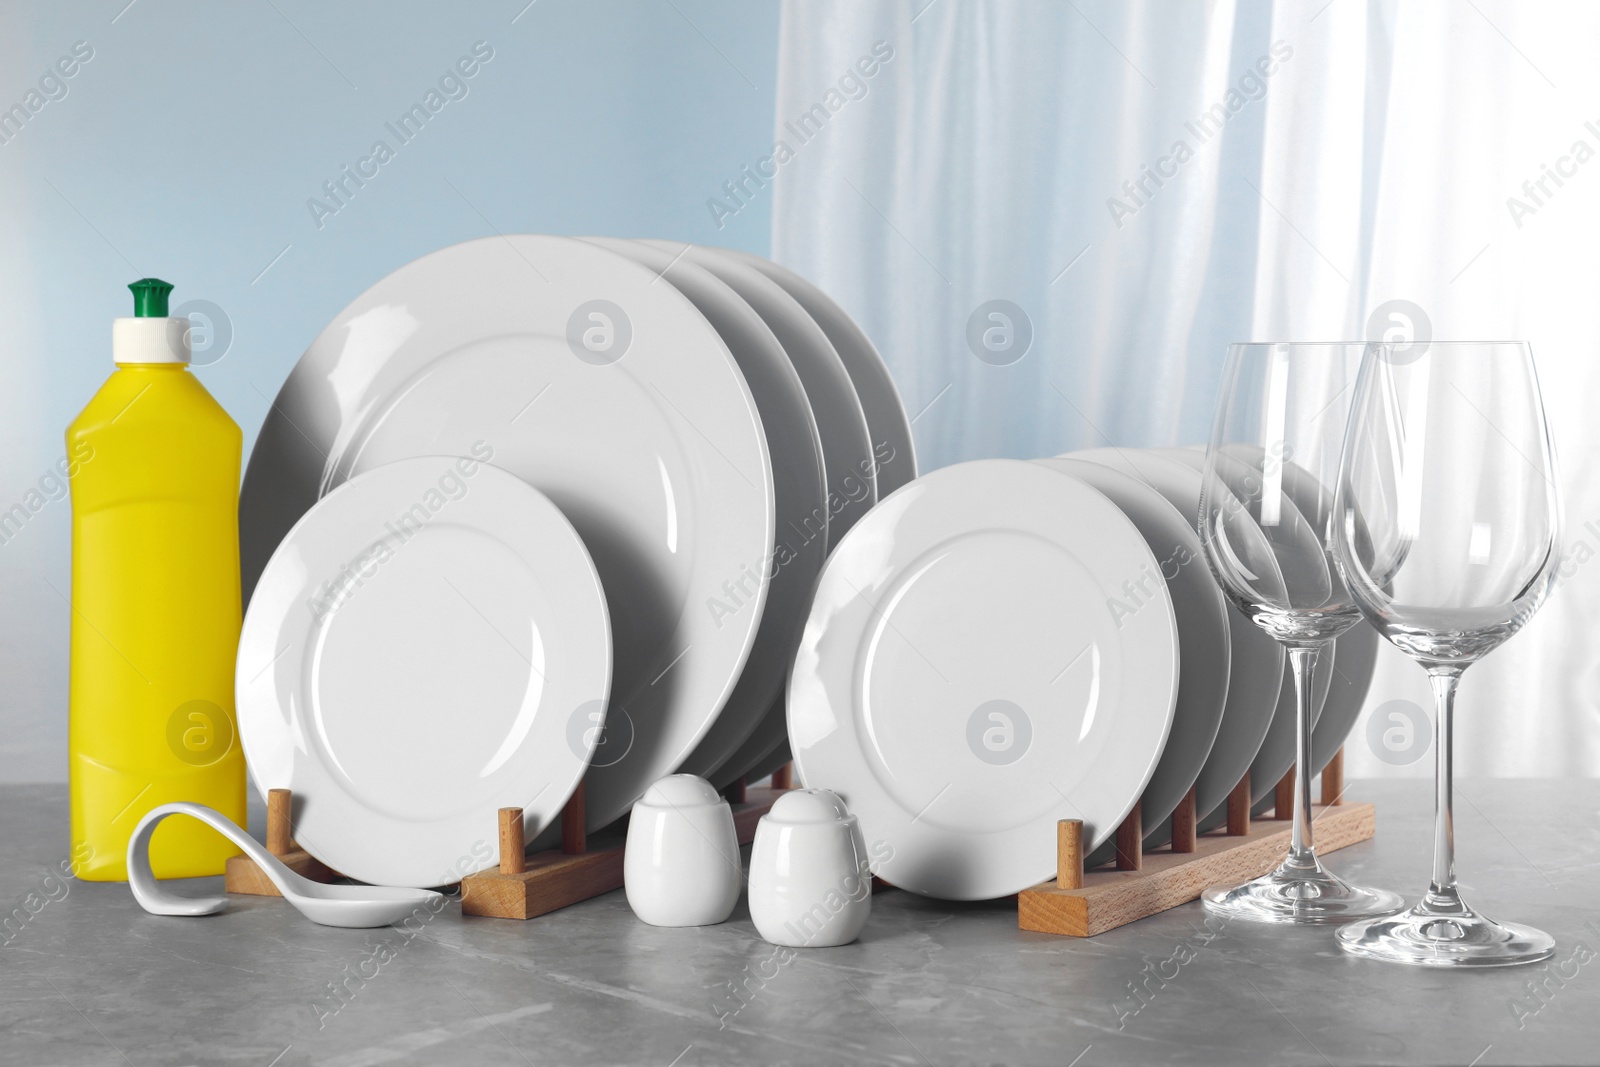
point(1448, 538)
point(1266, 512)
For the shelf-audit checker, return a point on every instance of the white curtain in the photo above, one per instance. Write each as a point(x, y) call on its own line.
point(1146, 182)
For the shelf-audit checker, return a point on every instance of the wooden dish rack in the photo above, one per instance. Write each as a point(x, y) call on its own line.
point(1079, 903)
point(1076, 903)
point(523, 886)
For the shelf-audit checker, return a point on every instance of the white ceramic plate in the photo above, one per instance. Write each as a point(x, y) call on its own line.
point(1276, 755)
point(429, 643)
point(892, 446)
point(779, 755)
point(795, 558)
point(1353, 656)
point(849, 461)
point(588, 378)
point(1203, 639)
point(765, 751)
point(1257, 661)
point(847, 456)
point(963, 684)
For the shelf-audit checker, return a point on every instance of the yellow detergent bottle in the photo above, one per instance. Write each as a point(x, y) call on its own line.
point(155, 604)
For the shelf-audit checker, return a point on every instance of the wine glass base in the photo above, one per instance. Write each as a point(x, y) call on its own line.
point(1442, 931)
point(1306, 895)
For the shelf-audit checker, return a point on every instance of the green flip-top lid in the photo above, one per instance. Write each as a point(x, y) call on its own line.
point(150, 298)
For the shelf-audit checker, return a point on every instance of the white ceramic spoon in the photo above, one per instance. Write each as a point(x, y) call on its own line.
point(352, 906)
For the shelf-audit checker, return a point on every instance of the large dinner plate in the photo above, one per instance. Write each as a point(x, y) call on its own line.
point(428, 644)
point(850, 456)
point(795, 557)
point(892, 446)
point(775, 758)
point(576, 369)
point(963, 683)
point(847, 457)
point(1203, 639)
point(1257, 661)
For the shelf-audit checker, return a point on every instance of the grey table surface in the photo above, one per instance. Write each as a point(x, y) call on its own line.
point(88, 978)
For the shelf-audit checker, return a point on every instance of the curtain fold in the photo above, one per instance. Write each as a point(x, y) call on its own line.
point(1053, 218)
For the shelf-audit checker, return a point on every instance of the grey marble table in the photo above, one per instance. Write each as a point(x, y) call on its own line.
point(88, 978)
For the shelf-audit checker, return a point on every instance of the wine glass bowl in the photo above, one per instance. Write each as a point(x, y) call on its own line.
point(1448, 538)
point(1265, 555)
point(1266, 514)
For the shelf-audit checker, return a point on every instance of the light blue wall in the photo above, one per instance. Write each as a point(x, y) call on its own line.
point(187, 148)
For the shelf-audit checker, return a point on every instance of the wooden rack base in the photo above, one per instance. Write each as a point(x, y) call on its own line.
point(1080, 903)
point(1076, 903)
point(526, 888)
point(522, 887)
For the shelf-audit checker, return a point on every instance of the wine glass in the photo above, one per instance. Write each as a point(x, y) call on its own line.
point(1448, 538)
point(1266, 512)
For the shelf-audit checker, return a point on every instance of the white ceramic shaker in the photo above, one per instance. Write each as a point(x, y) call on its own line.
point(810, 886)
point(681, 864)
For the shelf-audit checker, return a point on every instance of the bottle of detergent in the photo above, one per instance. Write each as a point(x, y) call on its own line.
point(155, 604)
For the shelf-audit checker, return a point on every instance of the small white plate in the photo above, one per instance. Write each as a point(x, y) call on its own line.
point(1257, 670)
point(429, 643)
point(963, 683)
point(579, 371)
point(1203, 639)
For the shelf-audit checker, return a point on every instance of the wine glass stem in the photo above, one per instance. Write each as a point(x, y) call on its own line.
point(1444, 681)
point(1303, 661)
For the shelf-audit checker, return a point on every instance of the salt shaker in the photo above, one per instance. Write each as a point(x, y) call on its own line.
point(810, 886)
point(681, 864)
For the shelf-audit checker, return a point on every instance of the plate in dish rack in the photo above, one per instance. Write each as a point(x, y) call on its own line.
point(1203, 639)
point(572, 367)
point(1256, 669)
point(850, 456)
point(1276, 755)
point(428, 644)
point(970, 674)
point(1350, 661)
point(892, 447)
point(795, 558)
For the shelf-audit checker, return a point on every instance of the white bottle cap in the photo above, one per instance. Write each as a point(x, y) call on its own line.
point(150, 340)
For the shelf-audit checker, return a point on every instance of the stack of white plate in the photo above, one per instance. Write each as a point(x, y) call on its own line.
point(535, 509)
point(1002, 644)
point(538, 510)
